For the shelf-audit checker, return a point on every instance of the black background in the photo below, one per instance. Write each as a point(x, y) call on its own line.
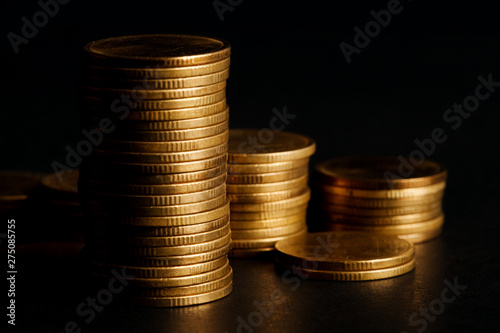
point(394, 91)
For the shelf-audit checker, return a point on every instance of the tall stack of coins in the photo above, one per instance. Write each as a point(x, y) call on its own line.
point(267, 188)
point(372, 194)
point(153, 189)
point(346, 256)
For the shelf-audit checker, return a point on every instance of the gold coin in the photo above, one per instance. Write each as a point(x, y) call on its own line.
point(177, 135)
point(168, 146)
point(385, 220)
point(145, 94)
point(183, 300)
point(178, 83)
point(155, 200)
point(344, 251)
point(158, 168)
point(173, 281)
point(172, 125)
point(159, 104)
point(263, 242)
point(375, 274)
point(118, 259)
point(157, 73)
point(266, 197)
point(159, 50)
point(267, 232)
point(157, 190)
point(269, 187)
point(162, 221)
point(275, 205)
point(185, 290)
point(277, 147)
point(383, 203)
point(158, 272)
point(234, 168)
point(397, 229)
point(268, 215)
point(18, 185)
point(421, 237)
point(260, 253)
point(416, 192)
point(175, 178)
point(167, 251)
point(263, 178)
point(380, 212)
point(162, 115)
point(378, 172)
point(269, 223)
point(129, 240)
point(108, 228)
point(129, 210)
point(175, 157)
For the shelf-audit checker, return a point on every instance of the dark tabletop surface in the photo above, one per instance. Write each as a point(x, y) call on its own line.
point(396, 89)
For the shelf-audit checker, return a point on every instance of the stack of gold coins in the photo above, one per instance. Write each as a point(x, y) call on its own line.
point(267, 188)
point(383, 194)
point(153, 189)
point(346, 256)
point(59, 195)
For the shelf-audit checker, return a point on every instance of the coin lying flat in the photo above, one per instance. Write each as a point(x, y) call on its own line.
point(195, 289)
point(345, 251)
point(183, 300)
point(171, 271)
point(151, 83)
point(281, 146)
point(140, 94)
point(375, 274)
point(396, 229)
point(173, 281)
point(416, 192)
point(268, 187)
point(378, 172)
point(258, 168)
point(157, 50)
point(186, 259)
point(161, 115)
point(130, 240)
point(163, 221)
point(263, 178)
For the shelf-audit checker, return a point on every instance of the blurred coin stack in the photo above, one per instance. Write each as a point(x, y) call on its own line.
point(383, 194)
point(267, 188)
point(59, 198)
point(153, 189)
point(346, 256)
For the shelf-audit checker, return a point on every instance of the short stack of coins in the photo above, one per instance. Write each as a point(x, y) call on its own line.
point(267, 187)
point(153, 189)
point(346, 255)
point(383, 194)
